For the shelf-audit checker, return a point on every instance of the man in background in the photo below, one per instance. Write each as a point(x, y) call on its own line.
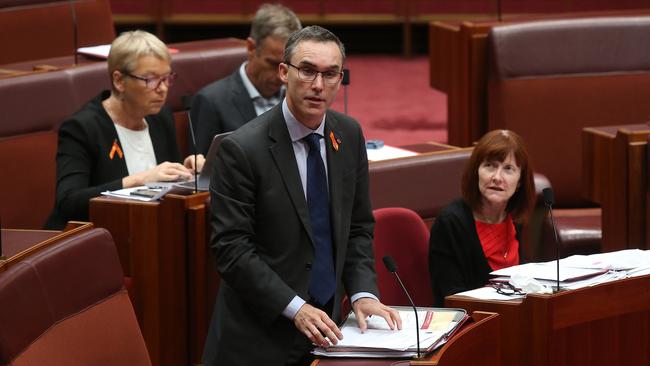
point(255, 87)
point(291, 220)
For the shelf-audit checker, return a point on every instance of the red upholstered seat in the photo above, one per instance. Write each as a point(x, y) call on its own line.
point(66, 305)
point(401, 234)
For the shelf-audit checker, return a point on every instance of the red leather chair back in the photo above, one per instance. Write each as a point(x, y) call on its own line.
point(66, 305)
point(551, 79)
point(401, 234)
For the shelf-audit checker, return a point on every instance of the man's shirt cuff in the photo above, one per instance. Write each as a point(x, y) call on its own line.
point(292, 309)
point(360, 295)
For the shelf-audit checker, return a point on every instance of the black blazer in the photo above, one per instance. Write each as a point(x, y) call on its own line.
point(262, 235)
point(456, 259)
point(221, 106)
point(83, 166)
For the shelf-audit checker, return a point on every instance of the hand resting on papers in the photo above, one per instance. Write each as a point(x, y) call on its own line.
point(366, 306)
point(316, 325)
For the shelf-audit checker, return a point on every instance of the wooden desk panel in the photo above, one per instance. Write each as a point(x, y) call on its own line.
point(615, 174)
point(608, 324)
point(152, 239)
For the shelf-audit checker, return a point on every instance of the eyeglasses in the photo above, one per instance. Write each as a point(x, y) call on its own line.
point(308, 74)
point(153, 82)
point(505, 288)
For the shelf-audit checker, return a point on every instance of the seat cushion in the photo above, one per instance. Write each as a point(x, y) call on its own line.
point(579, 232)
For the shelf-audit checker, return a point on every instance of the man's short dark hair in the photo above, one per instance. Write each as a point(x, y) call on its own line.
point(312, 33)
point(273, 20)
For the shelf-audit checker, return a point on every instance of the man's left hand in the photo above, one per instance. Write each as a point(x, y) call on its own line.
point(367, 306)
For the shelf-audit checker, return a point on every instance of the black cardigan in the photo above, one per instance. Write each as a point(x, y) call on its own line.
point(83, 166)
point(456, 259)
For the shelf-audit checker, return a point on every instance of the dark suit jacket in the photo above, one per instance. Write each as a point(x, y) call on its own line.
point(221, 106)
point(457, 262)
point(262, 236)
point(83, 166)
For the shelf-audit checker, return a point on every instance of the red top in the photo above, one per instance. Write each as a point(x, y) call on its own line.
point(499, 243)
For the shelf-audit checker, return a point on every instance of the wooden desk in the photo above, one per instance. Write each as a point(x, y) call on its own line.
point(477, 344)
point(608, 324)
point(155, 242)
point(615, 171)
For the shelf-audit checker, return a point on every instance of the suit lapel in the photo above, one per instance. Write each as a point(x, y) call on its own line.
point(241, 100)
point(334, 172)
point(282, 151)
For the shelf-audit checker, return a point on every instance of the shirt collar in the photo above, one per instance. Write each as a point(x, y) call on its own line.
point(251, 89)
point(297, 130)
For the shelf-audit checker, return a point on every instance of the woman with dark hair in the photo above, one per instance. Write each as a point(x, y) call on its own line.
point(481, 232)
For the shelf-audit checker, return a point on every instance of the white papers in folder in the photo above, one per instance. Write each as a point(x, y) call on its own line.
point(548, 271)
point(380, 341)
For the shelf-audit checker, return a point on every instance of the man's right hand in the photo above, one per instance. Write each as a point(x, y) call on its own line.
point(314, 323)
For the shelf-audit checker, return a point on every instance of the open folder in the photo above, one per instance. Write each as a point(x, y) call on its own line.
point(435, 326)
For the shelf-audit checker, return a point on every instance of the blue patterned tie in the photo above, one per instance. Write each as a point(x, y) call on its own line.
point(322, 282)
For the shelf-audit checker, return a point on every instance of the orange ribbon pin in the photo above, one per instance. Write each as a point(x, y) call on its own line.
point(115, 149)
point(335, 141)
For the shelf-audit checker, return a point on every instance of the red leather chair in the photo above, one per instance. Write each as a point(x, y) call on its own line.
point(401, 234)
point(550, 79)
point(66, 305)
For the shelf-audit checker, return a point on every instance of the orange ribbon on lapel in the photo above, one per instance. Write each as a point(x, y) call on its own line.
point(335, 141)
point(115, 149)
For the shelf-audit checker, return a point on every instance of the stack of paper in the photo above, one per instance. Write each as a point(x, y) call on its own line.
point(435, 326)
point(388, 152)
point(577, 271)
point(142, 193)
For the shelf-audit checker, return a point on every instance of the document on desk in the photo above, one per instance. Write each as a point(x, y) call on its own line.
point(142, 193)
point(435, 326)
point(388, 152)
point(621, 260)
point(548, 271)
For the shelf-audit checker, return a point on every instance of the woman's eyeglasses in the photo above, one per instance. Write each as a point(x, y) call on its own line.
point(153, 82)
point(505, 288)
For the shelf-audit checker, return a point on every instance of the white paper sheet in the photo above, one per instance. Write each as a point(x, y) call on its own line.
point(388, 152)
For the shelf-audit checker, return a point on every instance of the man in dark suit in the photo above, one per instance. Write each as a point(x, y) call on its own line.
point(255, 87)
point(291, 219)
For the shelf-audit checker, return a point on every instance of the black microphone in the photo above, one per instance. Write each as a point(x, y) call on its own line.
point(186, 100)
point(549, 200)
point(75, 30)
point(391, 266)
point(345, 82)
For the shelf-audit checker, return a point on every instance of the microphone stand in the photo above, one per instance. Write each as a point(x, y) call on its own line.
point(499, 10)
point(415, 310)
point(548, 201)
point(75, 31)
point(345, 82)
point(2, 257)
point(187, 103)
point(557, 250)
point(392, 268)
